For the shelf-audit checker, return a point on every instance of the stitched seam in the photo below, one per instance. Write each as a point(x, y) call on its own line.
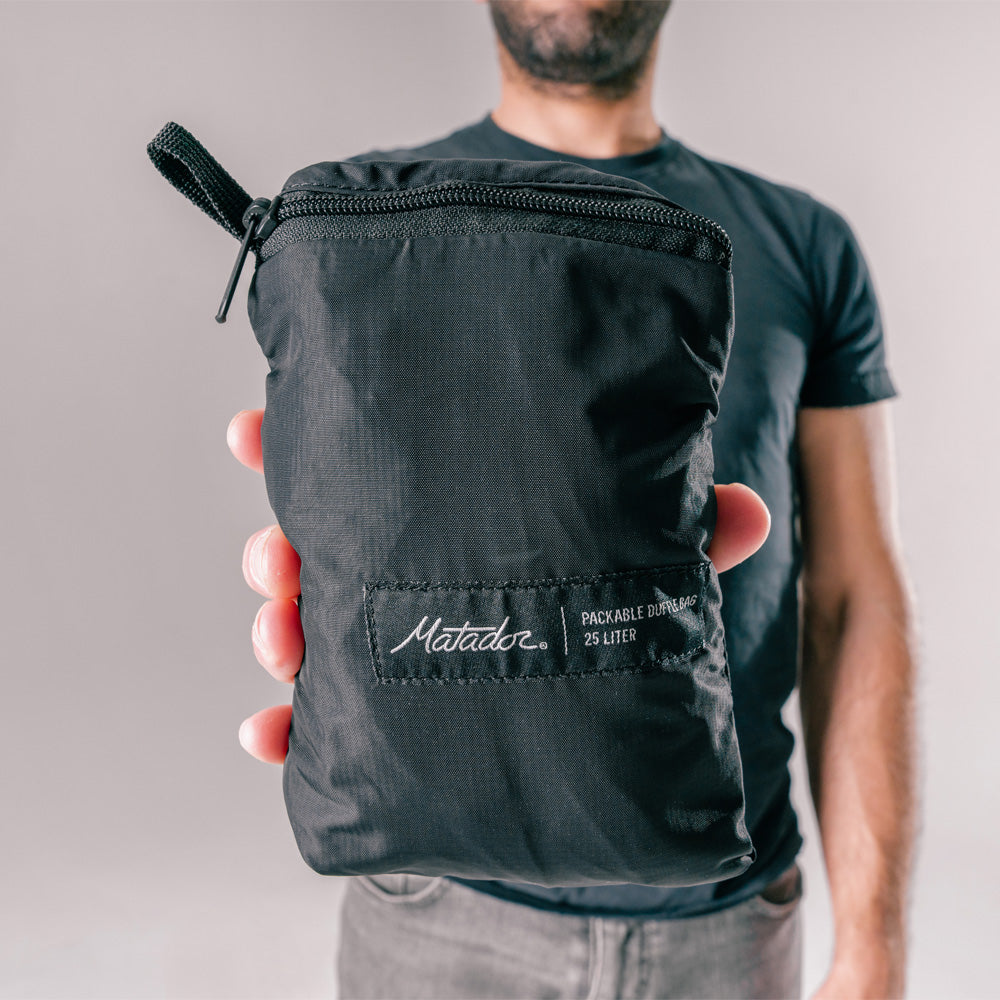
point(372, 638)
point(702, 595)
point(590, 238)
point(644, 668)
point(650, 668)
point(552, 582)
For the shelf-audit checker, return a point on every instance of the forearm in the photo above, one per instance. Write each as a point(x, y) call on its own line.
point(857, 700)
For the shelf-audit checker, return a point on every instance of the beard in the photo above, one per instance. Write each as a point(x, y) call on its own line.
point(606, 48)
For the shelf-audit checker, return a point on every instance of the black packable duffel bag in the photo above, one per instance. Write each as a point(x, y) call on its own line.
point(487, 435)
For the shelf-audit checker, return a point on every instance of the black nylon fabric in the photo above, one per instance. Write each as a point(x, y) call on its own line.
point(489, 436)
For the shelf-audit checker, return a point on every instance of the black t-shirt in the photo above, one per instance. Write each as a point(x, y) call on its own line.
point(807, 333)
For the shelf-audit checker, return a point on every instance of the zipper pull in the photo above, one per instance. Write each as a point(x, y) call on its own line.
point(259, 220)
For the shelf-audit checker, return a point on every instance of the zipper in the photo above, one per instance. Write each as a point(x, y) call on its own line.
point(623, 205)
point(259, 222)
point(189, 167)
point(263, 216)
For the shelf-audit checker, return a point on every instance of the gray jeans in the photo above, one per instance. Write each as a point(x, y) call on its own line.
point(410, 936)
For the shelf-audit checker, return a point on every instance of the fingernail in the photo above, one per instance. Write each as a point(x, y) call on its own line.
point(255, 562)
point(255, 637)
point(244, 734)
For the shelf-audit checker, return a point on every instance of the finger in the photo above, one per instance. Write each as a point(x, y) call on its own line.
point(270, 564)
point(741, 527)
point(277, 639)
point(243, 438)
point(265, 734)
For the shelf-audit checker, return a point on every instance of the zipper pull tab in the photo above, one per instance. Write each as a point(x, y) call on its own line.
point(253, 220)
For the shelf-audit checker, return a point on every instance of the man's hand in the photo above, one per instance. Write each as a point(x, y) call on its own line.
point(271, 567)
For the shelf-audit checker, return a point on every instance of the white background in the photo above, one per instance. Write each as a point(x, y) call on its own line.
point(143, 854)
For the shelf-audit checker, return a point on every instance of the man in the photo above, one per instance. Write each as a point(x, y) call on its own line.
point(804, 422)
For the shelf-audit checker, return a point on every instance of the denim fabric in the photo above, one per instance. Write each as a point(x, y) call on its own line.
point(416, 936)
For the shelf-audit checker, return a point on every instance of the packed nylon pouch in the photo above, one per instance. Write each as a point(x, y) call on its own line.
point(487, 435)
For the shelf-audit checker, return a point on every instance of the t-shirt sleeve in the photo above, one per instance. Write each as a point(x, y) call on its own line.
point(847, 358)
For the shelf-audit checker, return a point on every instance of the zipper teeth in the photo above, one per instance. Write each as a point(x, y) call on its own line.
point(297, 204)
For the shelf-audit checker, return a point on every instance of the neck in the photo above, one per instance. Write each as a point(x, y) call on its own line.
point(569, 118)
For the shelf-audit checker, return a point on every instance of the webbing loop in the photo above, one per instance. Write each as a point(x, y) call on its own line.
point(190, 168)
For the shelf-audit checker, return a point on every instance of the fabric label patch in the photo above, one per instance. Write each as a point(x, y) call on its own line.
point(618, 622)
